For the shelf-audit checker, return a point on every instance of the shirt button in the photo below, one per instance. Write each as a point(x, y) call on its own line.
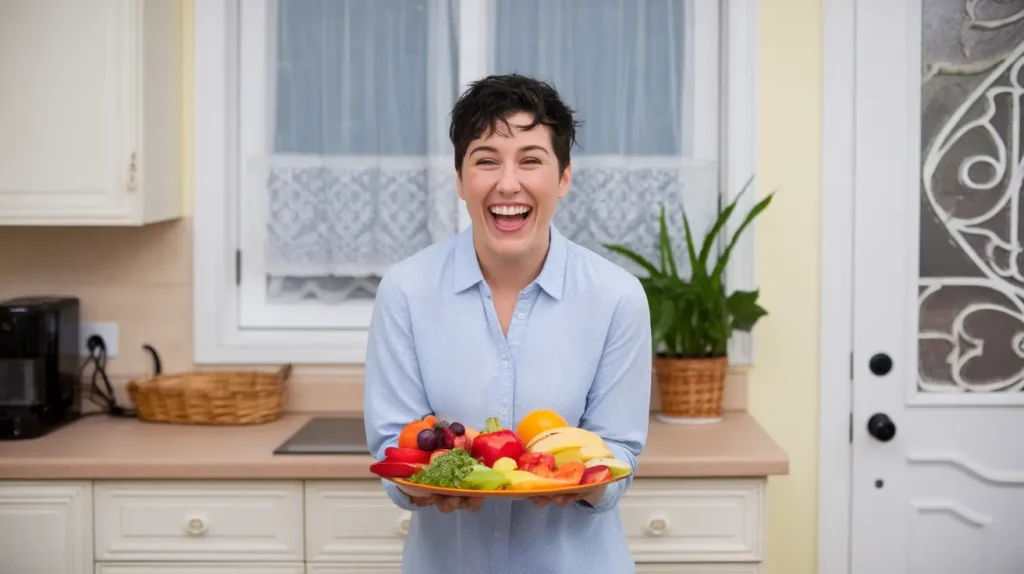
point(521, 315)
point(504, 364)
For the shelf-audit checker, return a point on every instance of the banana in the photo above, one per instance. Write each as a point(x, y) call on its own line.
point(523, 480)
point(562, 438)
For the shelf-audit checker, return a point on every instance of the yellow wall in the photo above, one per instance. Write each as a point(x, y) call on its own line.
point(188, 86)
point(784, 382)
point(783, 387)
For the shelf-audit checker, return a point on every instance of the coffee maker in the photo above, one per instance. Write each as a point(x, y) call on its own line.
point(39, 365)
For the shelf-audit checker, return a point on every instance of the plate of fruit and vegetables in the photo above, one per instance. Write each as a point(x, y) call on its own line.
point(544, 456)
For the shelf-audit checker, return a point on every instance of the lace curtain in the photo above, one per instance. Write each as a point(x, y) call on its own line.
point(622, 64)
point(362, 176)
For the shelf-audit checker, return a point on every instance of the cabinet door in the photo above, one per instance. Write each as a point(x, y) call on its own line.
point(198, 568)
point(66, 103)
point(45, 528)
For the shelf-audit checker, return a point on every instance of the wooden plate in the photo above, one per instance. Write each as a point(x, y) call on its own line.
point(414, 489)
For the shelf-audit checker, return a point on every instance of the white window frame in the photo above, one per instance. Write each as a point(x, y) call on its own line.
point(728, 136)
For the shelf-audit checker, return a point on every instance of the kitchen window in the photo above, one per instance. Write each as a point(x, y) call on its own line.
point(322, 152)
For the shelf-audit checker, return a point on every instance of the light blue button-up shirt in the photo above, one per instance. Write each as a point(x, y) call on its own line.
point(579, 343)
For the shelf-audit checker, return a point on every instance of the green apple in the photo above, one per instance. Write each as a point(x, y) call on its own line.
point(616, 466)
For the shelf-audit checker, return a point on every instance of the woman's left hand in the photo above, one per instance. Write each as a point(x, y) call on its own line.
point(591, 497)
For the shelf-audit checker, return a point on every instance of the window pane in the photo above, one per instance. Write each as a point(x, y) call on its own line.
point(352, 172)
point(619, 63)
point(622, 64)
point(352, 77)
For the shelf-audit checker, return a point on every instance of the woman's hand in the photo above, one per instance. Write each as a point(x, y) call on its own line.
point(591, 497)
point(447, 504)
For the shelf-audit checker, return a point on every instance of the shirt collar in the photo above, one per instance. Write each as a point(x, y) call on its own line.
point(552, 275)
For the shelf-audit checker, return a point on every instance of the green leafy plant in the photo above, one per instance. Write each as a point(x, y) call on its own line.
point(695, 317)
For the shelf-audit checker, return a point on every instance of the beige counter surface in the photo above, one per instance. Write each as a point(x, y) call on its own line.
point(99, 447)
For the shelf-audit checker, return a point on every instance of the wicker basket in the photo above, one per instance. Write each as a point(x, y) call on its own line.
point(213, 397)
point(691, 388)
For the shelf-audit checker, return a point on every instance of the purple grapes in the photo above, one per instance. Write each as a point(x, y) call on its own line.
point(427, 440)
point(458, 429)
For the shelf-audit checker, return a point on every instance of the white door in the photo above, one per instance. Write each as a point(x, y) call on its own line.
point(939, 288)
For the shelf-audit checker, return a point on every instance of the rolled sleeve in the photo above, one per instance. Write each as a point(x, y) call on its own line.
point(393, 393)
point(619, 402)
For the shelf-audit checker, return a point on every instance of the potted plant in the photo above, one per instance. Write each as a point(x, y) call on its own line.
point(692, 320)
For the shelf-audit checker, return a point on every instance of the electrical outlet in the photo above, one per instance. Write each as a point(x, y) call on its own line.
point(108, 331)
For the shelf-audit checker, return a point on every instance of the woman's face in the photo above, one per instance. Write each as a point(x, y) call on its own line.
point(511, 185)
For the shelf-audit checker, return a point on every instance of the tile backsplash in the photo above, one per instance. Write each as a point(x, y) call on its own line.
point(141, 279)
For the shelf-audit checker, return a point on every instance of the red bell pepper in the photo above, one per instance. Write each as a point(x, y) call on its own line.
point(496, 442)
point(391, 469)
point(397, 454)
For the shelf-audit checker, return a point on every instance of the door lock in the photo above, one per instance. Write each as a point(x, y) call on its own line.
point(881, 427)
point(880, 364)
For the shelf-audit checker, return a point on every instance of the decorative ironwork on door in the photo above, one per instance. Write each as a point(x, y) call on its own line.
point(971, 289)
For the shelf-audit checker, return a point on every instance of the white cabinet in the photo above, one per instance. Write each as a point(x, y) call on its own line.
point(46, 527)
point(675, 520)
point(90, 112)
point(353, 521)
point(686, 526)
point(199, 521)
point(673, 525)
point(201, 568)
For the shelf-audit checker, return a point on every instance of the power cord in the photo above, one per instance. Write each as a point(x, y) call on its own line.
point(105, 398)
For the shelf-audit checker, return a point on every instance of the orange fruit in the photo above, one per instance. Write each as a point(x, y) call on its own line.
point(537, 422)
point(410, 431)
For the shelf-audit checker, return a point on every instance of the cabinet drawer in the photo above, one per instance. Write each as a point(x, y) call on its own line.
point(199, 521)
point(353, 521)
point(355, 568)
point(198, 568)
point(689, 520)
point(698, 569)
point(396, 568)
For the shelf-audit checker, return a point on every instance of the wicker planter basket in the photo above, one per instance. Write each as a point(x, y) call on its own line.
point(691, 389)
point(213, 397)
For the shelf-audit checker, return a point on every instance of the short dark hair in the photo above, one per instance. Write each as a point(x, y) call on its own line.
point(496, 98)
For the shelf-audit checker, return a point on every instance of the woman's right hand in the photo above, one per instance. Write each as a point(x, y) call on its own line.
point(445, 504)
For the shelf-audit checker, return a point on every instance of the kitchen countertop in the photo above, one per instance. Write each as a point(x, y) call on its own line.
point(100, 447)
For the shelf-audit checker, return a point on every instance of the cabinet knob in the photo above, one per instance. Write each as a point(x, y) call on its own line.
point(657, 526)
point(195, 526)
point(403, 524)
point(132, 181)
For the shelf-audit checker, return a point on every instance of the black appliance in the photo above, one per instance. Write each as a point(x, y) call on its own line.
point(328, 435)
point(39, 365)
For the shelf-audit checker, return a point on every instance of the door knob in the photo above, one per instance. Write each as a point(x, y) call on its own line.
point(881, 427)
point(880, 364)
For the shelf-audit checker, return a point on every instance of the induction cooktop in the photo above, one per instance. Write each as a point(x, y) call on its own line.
point(327, 435)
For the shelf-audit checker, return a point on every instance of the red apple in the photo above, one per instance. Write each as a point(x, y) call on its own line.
point(463, 442)
point(596, 475)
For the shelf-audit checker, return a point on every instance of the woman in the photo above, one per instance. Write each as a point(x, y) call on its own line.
point(505, 318)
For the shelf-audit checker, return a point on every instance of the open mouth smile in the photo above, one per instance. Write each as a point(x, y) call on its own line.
point(509, 218)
